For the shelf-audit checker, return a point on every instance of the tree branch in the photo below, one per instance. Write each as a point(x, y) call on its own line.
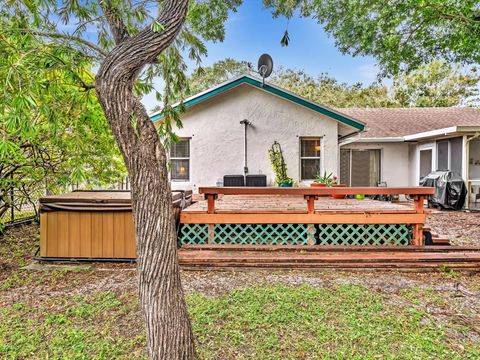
point(69, 38)
point(115, 22)
point(143, 48)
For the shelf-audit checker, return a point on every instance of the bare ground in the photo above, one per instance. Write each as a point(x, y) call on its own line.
point(462, 228)
point(450, 297)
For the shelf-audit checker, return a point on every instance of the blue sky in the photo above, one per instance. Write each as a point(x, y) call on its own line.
point(252, 31)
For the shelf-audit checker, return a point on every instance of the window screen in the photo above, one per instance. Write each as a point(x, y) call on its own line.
point(309, 158)
point(360, 167)
point(456, 148)
point(442, 155)
point(345, 167)
point(180, 160)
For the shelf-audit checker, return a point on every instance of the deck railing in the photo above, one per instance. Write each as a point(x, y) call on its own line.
point(378, 227)
point(418, 193)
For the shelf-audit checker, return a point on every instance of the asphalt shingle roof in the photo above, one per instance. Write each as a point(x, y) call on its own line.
point(396, 122)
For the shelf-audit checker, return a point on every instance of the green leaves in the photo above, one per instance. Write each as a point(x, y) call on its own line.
point(8, 149)
point(157, 26)
point(438, 84)
point(52, 130)
point(402, 35)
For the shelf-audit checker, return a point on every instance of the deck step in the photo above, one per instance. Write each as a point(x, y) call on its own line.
point(455, 258)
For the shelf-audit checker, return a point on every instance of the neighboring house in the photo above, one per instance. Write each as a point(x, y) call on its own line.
point(401, 146)
point(361, 146)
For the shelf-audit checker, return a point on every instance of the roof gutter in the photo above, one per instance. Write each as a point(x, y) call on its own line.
point(360, 139)
point(349, 138)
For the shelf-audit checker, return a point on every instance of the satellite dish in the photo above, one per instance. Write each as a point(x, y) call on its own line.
point(265, 65)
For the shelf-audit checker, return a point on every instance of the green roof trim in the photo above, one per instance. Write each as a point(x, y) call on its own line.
point(272, 90)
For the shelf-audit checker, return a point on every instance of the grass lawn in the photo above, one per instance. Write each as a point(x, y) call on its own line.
point(93, 313)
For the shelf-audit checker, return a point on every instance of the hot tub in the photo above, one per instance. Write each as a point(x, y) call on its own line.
point(92, 225)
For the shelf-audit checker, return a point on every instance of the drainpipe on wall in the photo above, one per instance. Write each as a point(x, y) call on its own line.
point(246, 123)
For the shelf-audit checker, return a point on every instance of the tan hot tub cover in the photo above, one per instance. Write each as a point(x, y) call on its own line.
point(92, 224)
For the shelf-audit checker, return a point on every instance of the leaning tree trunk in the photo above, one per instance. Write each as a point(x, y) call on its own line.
point(169, 334)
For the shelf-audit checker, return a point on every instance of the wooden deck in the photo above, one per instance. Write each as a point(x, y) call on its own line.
point(301, 216)
point(306, 228)
point(290, 204)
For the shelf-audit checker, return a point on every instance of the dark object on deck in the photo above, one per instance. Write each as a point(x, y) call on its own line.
point(233, 180)
point(257, 180)
point(382, 197)
point(450, 190)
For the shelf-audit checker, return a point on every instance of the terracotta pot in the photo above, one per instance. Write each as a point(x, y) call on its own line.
point(339, 196)
point(318, 185)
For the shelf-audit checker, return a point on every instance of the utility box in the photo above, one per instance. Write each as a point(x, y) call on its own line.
point(257, 180)
point(234, 180)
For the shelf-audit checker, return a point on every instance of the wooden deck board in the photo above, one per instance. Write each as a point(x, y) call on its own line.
point(272, 204)
point(410, 258)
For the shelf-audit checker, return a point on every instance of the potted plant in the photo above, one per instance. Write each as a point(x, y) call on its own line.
point(336, 184)
point(279, 166)
point(287, 182)
point(322, 180)
point(328, 180)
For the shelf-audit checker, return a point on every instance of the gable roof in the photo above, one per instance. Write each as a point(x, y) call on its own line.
point(400, 122)
point(252, 81)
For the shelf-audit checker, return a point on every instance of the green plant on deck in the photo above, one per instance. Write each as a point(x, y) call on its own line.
point(327, 179)
point(278, 164)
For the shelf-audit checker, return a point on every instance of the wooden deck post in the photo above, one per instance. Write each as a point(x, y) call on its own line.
point(211, 210)
point(418, 228)
point(310, 203)
point(211, 203)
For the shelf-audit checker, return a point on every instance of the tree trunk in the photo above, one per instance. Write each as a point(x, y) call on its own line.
point(169, 334)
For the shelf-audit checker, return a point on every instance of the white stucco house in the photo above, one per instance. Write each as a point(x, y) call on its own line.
point(361, 146)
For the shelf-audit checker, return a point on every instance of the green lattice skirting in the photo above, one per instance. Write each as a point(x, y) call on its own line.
point(296, 234)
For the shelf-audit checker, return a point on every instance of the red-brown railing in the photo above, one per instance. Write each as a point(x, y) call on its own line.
point(415, 217)
point(417, 193)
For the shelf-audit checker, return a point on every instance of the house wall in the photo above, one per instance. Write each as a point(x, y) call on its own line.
point(413, 164)
point(395, 169)
point(414, 159)
point(217, 137)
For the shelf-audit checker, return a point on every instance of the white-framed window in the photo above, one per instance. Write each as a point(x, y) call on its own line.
point(310, 150)
point(180, 160)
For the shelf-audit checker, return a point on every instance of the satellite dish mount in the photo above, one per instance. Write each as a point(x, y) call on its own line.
point(265, 67)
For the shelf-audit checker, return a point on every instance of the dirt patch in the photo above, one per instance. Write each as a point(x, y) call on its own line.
point(462, 228)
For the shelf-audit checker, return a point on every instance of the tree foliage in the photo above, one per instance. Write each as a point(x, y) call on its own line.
point(52, 130)
point(85, 26)
point(401, 34)
point(205, 77)
point(326, 90)
point(437, 84)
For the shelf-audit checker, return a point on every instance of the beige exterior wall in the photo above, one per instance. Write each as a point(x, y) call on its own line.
point(217, 137)
point(394, 161)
